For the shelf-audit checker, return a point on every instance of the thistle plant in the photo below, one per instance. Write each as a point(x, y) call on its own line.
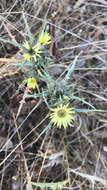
point(56, 93)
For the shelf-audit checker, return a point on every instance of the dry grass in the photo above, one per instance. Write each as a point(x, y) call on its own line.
point(78, 153)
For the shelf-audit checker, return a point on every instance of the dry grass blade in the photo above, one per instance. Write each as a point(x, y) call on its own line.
point(100, 1)
point(22, 102)
point(91, 178)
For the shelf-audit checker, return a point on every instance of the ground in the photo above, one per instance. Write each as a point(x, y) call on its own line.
point(78, 154)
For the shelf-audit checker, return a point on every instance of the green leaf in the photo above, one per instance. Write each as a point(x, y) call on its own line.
point(72, 67)
point(81, 100)
point(46, 128)
point(45, 100)
point(36, 95)
point(53, 186)
point(12, 43)
point(28, 29)
point(88, 110)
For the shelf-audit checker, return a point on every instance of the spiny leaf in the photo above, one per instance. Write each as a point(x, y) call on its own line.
point(53, 186)
point(46, 128)
point(12, 43)
point(88, 110)
point(36, 95)
point(28, 29)
point(81, 100)
point(71, 69)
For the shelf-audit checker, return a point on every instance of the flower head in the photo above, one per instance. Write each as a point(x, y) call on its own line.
point(44, 38)
point(61, 116)
point(31, 52)
point(31, 83)
point(37, 51)
point(26, 45)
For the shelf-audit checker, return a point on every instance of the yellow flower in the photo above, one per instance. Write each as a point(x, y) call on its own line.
point(27, 56)
point(31, 83)
point(31, 52)
point(44, 38)
point(65, 97)
point(26, 45)
point(61, 116)
point(37, 51)
point(39, 73)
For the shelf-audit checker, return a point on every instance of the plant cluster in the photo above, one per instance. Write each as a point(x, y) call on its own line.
point(55, 92)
